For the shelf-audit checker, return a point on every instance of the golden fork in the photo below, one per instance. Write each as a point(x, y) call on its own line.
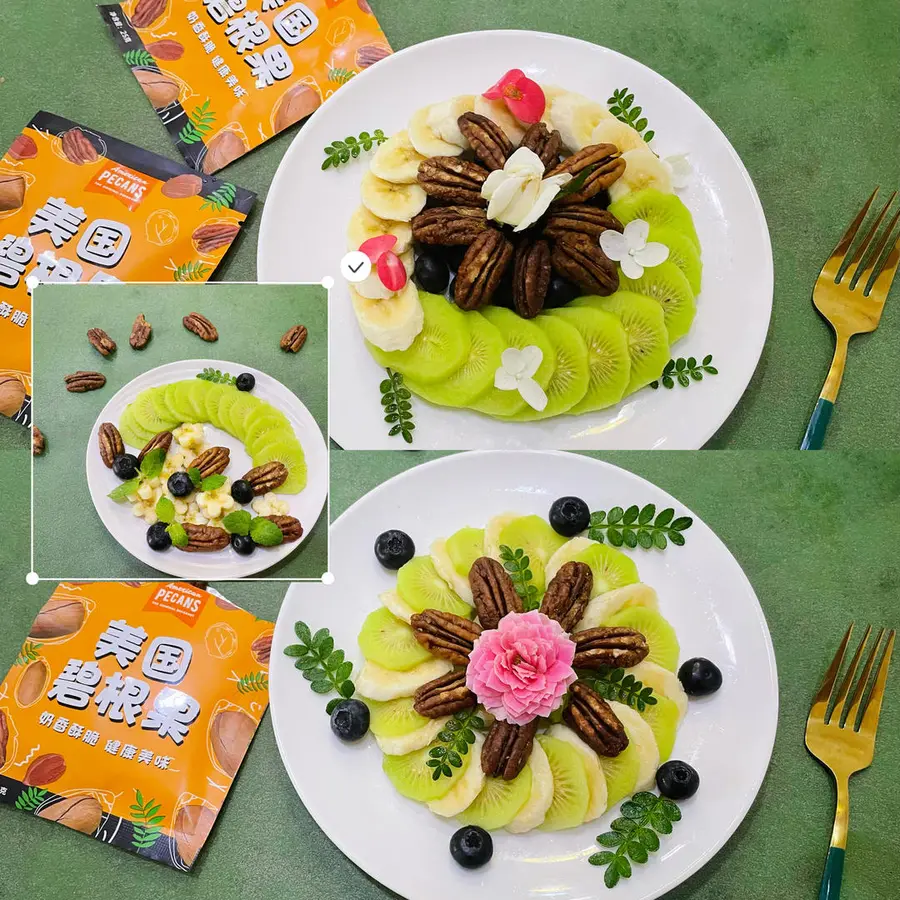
point(846, 747)
point(851, 303)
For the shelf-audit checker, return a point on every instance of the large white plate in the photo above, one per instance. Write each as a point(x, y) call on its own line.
point(131, 532)
point(302, 238)
point(702, 591)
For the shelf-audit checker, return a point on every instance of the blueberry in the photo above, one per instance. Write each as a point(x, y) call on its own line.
point(180, 484)
point(677, 780)
point(394, 549)
point(350, 720)
point(125, 466)
point(569, 516)
point(560, 292)
point(454, 254)
point(245, 382)
point(432, 273)
point(471, 847)
point(700, 677)
point(242, 491)
point(243, 544)
point(451, 291)
point(158, 538)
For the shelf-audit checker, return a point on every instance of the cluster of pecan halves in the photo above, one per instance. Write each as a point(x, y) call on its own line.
point(564, 241)
point(507, 747)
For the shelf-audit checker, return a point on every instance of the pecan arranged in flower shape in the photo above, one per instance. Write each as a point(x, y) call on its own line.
point(493, 592)
point(452, 179)
point(605, 165)
point(580, 259)
point(581, 219)
point(593, 720)
point(161, 441)
point(443, 696)
point(487, 139)
point(213, 461)
point(445, 634)
point(111, 444)
point(449, 226)
point(201, 326)
point(614, 647)
point(205, 538)
point(101, 341)
point(531, 277)
point(568, 594)
point(545, 143)
point(291, 529)
point(79, 382)
point(482, 269)
point(267, 477)
point(507, 748)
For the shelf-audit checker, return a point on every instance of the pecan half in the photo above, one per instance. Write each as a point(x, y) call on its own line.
point(101, 341)
point(180, 186)
point(45, 770)
point(547, 144)
point(205, 538)
point(487, 139)
point(216, 234)
point(147, 12)
point(580, 219)
point(166, 50)
point(267, 477)
point(531, 277)
point(78, 148)
point(294, 339)
point(201, 326)
point(369, 54)
point(23, 147)
point(449, 225)
point(111, 444)
point(605, 164)
point(291, 529)
point(493, 592)
point(507, 748)
point(453, 179)
point(38, 441)
point(593, 720)
point(445, 634)
point(140, 333)
point(79, 382)
point(161, 441)
point(580, 259)
point(443, 696)
point(482, 269)
point(213, 461)
point(568, 594)
point(615, 646)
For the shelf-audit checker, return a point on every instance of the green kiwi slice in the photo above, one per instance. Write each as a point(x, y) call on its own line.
point(667, 285)
point(257, 435)
point(160, 407)
point(238, 412)
point(390, 643)
point(659, 633)
point(180, 403)
point(682, 251)
point(498, 802)
point(420, 587)
point(663, 717)
point(657, 208)
point(145, 416)
point(571, 793)
point(414, 778)
point(394, 718)
point(132, 433)
point(464, 547)
point(539, 541)
point(286, 450)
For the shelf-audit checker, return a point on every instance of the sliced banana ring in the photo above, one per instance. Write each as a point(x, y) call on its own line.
point(397, 202)
point(363, 225)
point(397, 160)
point(425, 140)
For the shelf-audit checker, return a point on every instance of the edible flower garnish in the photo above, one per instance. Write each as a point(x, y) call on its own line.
point(389, 268)
point(680, 170)
point(631, 249)
point(523, 97)
point(516, 373)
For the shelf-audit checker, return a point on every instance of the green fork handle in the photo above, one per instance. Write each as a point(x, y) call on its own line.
point(815, 431)
point(834, 871)
point(818, 423)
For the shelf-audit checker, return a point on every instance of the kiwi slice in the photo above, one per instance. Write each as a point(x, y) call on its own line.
point(657, 208)
point(476, 375)
point(621, 773)
point(132, 433)
point(610, 567)
point(663, 717)
point(440, 348)
point(160, 407)
point(258, 434)
point(238, 412)
point(226, 399)
point(213, 403)
point(180, 403)
point(667, 285)
point(660, 635)
point(464, 547)
point(539, 541)
point(196, 392)
point(414, 778)
point(571, 794)
point(289, 452)
point(682, 251)
point(498, 802)
point(394, 718)
point(609, 363)
point(145, 416)
point(263, 411)
point(420, 587)
point(385, 640)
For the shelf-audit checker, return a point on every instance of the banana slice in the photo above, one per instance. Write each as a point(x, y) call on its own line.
point(535, 809)
point(415, 740)
point(605, 605)
point(426, 140)
point(443, 119)
point(641, 735)
point(575, 117)
point(392, 601)
point(595, 777)
point(373, 288)
point(409, 261)
point(396, 160)
point(363, 225)
point(378, 683)
point(663, 682)
point(612, 131)
point(569, 549)
point(462, 795)
point(392, 323)
point(643, 169)
point(397, 202)
point(498, 112)
point(441, 559)
point(492, 533)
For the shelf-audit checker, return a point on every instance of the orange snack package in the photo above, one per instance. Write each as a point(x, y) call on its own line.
point(224, 76)
point(128, 711)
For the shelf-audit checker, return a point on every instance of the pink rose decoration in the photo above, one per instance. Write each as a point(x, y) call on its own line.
point(521, 669)
point(523, 97)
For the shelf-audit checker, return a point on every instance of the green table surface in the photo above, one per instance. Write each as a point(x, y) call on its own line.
point(70, 540)
point(815, 533)
point(806, 92)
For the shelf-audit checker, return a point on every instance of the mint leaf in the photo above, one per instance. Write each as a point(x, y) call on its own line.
point(194, 475)
point(212, 482)
point(237, 522)
point(165, 510)
point(178, 534)
point(124, 489)
point(152, 463)
point(265, 533)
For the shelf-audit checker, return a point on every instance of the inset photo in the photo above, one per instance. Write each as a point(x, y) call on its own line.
point(180, 431)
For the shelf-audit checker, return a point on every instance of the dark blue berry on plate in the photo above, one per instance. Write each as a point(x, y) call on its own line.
point(454, 254)
point(451, 291)
point(350, 720)
point(243, 544)
point(569, 516)
point(241, 491)
point(560, 292)
point(125, 466)
point(394, 548)
point(245, 382)
point(158, 538)
point(700, 677)
point(432, 273)
point(471, 847)
point(677, 780)
point(180, 484)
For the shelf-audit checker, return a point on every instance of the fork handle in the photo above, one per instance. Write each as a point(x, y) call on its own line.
point(818, 423)
point(834, 862)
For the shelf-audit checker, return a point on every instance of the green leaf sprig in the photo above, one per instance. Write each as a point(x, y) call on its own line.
point(140, 58)
point(194, 270)
point(322, 666)
point(341, 76)
point(615, 684)
point(456, 738)
point(634, 835)
point(263, 531)
point(639, 527)
point(147, 819)
point(200, 122)
point(216, 376)
point(151, 466)
point(339, 152)
point(621, 105)
point(31, 798)
point(221, 198)
point(517, 564)
point(685, 371)
point(396, 406)
point(254, 681)
point(28, 653)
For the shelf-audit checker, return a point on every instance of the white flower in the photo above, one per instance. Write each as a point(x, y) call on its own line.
point(518, 194)
point(516, 373)
point(631, 250)
point(680, 170)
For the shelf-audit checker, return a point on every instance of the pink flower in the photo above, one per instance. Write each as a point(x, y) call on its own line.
point(521, 669)
point(524, 98)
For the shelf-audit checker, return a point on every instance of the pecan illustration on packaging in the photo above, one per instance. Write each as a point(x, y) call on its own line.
point(224, 76)
point(129, 710)
point(79, 205)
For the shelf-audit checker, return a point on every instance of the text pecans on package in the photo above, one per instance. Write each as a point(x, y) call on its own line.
point(78, 205)
point(128, 711)
point(224, 76)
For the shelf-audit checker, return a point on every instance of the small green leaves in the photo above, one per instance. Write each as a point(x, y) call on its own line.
point(212, 482)
point(255, 681)
point(28, 653)
point(517, 564)
point(685, 371)
point(221, 198)
point(191, 271)
point(639, 527)
point(575, 185)
point(216, 376)
point(165, 510)
point(339, 152)
point(621, 105)
point(341, 76)
point(124, 489)
point(179, 536)
point(265, 533)
point(634, 835)
point(139, 58)
point(146, 819)
point(322, 666)
point(237, 522)
point(456, 738)
point(396, 405)
point(614, 684)
point(152, 463)
point(195, 476)
point(31, 798)
point(201, 121)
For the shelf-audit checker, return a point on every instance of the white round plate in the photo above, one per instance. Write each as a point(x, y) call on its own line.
point(304, 223)
point(703, 592)
point(131, 532)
